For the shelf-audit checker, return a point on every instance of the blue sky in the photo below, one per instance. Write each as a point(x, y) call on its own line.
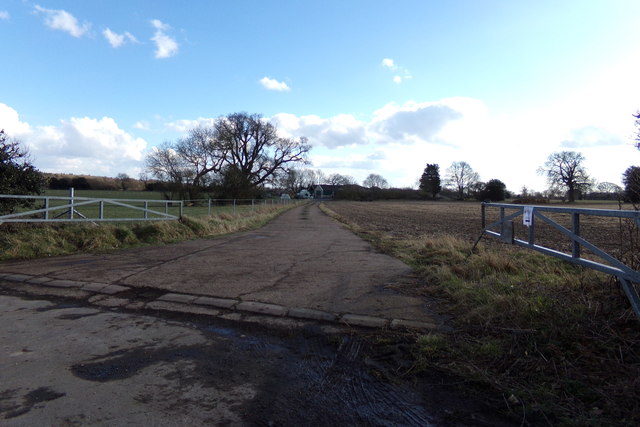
point(377, 86)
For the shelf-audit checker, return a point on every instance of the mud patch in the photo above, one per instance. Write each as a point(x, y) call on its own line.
point(29, 400)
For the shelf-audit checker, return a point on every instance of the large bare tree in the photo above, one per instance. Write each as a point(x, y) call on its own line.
point(565, 169)
point(244, 144)
point(252, 145)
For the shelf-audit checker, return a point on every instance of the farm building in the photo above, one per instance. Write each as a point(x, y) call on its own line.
point(325, 191)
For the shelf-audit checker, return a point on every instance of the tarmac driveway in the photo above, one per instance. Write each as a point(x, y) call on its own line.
point(301, 259)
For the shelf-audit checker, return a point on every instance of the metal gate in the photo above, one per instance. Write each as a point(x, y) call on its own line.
point(66, 209)
point(503, 228)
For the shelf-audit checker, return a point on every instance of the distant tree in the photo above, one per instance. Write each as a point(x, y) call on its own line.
point(460, 176)
point(494, 190)
point(80, 183)
point(631, 181)
point(314, 177)
point(565, 169)
point(124, 181)
point(338, 179)
point(375, 180)
point(430, 180)
point(608, 187)
point(292, 180)
point(17, 174)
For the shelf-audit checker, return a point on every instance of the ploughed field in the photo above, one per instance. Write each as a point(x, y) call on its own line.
point(410, 219)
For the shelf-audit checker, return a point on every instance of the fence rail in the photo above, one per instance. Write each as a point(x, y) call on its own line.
point(88, 209)
point(65, 209)
point(529, 214)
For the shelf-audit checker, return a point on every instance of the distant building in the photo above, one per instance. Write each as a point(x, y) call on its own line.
point(325, 191)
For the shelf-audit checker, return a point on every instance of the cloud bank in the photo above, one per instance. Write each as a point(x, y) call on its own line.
point(80, 145)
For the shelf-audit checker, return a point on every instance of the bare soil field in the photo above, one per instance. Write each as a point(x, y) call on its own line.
point(406, 219)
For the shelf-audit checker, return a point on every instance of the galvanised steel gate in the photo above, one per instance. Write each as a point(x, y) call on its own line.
point(503, 228)
point(65, 209)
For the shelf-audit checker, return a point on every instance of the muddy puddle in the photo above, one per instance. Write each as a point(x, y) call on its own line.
point(304, 378)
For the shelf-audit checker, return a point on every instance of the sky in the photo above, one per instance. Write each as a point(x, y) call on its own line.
point(90, 87)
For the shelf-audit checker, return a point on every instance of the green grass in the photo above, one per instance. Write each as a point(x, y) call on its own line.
point(561, 339)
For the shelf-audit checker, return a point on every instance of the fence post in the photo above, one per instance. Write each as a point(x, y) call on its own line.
point(482, 215)
point(71, 208)
point(234, 206)
point(46, 207)
point(146, 209)
point(209, 207)
point(575, 223)
point(181, 209)
point(101, 210)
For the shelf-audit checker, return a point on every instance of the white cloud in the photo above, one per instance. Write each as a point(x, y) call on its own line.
point(272, 84)
point(116, 40)
point(388, 62)
point(184, 125)
point(400, 73)
point(63, 21)
point(10, 122)
point(142, 125)
point(159, 25)
point(166, 46)
point(78, 145)
point(4, 15)
point(337, 131)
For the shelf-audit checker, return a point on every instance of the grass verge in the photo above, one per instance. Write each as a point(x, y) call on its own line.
point(27, 241)
point(559, 342)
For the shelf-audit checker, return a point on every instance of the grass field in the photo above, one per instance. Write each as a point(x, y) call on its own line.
point(559, 343)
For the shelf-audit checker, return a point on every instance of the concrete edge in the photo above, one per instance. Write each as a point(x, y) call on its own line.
point(232, 309)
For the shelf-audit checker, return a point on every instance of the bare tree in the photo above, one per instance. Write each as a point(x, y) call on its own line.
point(375, 180)
point(292, 181)
point(338, 179)
point(315, 177)
point(460, 176)
point(201, 153)
point(241, 147)
point(609, 187)
point(565, 169)
point(123, 180)
point(164, 163)
point(253, 146)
